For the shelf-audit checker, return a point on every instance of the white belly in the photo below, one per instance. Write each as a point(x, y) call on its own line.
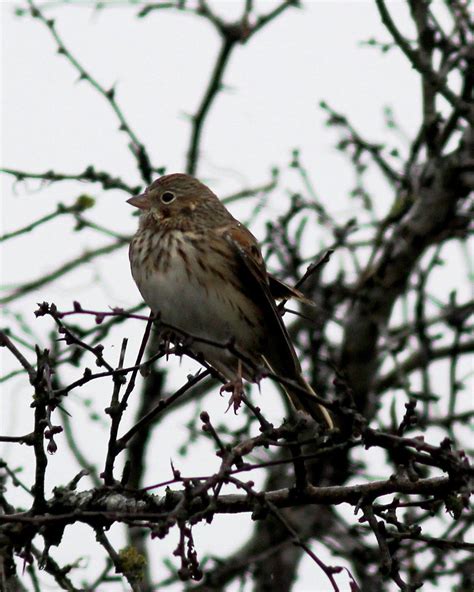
point(184, 303)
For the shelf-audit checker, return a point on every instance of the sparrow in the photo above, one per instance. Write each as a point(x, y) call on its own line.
point(202, 273)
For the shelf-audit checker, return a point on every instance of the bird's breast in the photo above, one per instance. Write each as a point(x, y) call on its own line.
point(192, 284)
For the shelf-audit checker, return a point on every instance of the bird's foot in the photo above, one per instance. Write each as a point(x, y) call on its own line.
point(166, 343)
point(236, 387)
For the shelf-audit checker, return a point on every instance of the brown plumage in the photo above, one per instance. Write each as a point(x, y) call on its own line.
point(197, 266)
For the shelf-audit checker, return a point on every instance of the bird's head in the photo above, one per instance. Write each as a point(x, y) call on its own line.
point(174, 197)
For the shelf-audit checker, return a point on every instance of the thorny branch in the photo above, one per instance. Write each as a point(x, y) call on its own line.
point(159, 520)
point(231, 34)
point(90, 174)
point(379, 375)
point(136, 146)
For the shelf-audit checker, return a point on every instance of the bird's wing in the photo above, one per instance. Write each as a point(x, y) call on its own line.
point(279, 352)
point(282, 291)
point(247, 246)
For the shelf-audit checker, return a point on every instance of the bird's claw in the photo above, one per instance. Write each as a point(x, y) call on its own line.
point(236, 387)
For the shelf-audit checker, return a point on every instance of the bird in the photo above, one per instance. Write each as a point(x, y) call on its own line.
point(202, 272)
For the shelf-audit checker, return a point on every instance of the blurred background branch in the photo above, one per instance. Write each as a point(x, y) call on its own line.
point(380, 341)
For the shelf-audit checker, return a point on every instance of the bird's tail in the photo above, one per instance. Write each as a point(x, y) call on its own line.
point(306, 401)
point(304, 398)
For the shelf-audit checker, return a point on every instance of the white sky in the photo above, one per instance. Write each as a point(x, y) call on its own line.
point(160, 66)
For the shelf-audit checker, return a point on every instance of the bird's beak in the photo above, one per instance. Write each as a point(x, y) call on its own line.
point(140, 201)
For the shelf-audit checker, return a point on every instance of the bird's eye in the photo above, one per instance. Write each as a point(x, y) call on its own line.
point(168, 197)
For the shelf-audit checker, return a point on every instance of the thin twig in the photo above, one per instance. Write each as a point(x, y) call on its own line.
point(138, 149)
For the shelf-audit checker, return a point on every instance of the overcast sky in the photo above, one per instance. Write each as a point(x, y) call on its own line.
point(159, 66)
